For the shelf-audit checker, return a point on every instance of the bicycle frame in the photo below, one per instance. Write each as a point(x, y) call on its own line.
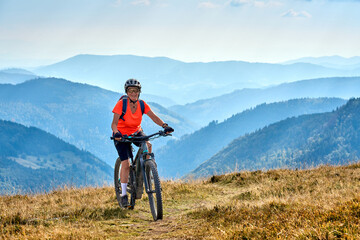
point(141, 157)
point(143, 174)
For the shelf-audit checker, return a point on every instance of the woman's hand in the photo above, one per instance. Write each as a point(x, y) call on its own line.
point(168, 129)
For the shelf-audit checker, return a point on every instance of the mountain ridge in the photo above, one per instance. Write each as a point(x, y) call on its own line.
point(222, 107)
point(177, 80)
point(78, 113)
point(200, 145)
point(330, 61)
point(297, 142)
point(15, 75)
point(34, 160)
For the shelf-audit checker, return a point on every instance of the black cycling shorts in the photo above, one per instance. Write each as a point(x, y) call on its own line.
point(124, 148)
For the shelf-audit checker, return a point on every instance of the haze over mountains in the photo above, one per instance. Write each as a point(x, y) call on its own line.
point(15, 75)
point(77, 113)
point(180, 81)
point(298, 142)
point(33, 160)
point(330, 62)
point(81, 113)
point(181, 156)
point(222, 107)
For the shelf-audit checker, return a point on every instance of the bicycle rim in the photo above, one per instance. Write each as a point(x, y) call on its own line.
point(117, 183)
point(155, 198)
point(131, 188)
point(131, 184)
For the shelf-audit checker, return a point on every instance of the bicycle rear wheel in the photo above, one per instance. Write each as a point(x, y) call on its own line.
point(155, 198)
point(131, 184)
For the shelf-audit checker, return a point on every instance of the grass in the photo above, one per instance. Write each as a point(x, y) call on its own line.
point(320, 203)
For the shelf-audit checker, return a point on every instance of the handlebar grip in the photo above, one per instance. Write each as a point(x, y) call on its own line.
point(114, 138)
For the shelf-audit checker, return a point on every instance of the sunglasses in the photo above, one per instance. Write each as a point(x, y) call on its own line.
point(133, 91)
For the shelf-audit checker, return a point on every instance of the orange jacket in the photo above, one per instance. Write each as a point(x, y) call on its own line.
point(132, 121)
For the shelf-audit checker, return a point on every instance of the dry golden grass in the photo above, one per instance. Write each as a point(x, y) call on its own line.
point(321, 203)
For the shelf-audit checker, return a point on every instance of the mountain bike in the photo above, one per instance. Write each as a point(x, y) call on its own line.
point(143, 174)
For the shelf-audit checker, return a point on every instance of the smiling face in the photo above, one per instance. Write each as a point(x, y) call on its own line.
point(133, 93)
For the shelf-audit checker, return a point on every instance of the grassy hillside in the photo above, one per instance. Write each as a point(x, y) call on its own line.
point(321, 203)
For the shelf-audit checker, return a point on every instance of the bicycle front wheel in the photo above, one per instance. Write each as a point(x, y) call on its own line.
point(154, 193)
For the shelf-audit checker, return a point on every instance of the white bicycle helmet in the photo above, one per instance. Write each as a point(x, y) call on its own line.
point(132, 83)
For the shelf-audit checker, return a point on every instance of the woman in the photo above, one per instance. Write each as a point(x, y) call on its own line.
point(130, 124)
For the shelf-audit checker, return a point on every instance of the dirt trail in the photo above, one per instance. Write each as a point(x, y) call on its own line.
point(176, 222)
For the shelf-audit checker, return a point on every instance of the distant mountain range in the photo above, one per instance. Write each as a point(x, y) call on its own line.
point(77, 113)
point(180, 81)
point(181, 156)
point(298, 142)
point(32, 160)
point(222, 107)
point(15, 75)
point(330, 62)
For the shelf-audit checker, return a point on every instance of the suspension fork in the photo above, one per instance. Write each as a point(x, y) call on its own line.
point(143, 160)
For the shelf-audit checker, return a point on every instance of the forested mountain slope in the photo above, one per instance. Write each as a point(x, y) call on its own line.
point(224, 106)
point(181, 156)
point(298, 142)
point(33, 160)
point(77, 113)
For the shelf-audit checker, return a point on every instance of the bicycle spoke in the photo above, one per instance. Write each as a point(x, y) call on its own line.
point(154, 191)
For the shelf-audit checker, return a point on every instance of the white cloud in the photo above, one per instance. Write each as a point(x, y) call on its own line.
point(262, 4)
point(255, 3)
point(238, 3)
point(208, 5)
point(295, 14)
point(141, 2)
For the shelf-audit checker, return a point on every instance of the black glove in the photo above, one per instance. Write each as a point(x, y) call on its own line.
point(168, 129)
point(117, 135)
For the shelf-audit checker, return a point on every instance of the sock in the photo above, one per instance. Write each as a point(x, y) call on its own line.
point(123, 189)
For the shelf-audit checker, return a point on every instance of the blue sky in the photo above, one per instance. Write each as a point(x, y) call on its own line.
point(34, 32)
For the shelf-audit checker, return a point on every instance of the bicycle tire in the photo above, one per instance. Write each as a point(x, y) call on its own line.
point(117, 182)
point(132, 188)
point(131, 184)
point(155, 200)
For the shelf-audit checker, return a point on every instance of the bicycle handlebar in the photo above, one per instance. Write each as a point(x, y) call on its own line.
point(131, 138)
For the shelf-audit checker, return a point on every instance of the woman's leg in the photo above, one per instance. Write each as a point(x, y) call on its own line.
point(124, 175)
point(149, 149)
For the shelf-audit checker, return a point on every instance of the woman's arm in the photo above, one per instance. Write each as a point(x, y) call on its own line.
point(155, 118)
point(115, 123)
